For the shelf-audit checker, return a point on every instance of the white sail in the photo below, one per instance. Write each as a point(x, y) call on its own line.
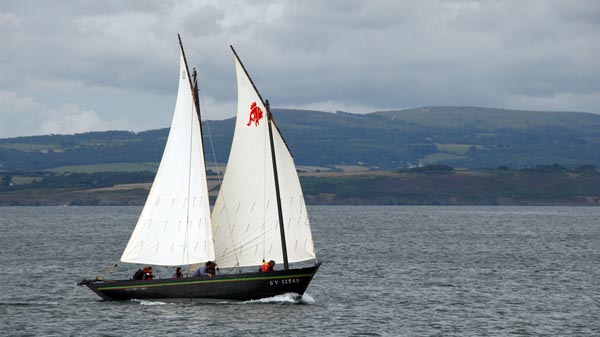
point(245, 217)
point(298, 235)
point(174, 227)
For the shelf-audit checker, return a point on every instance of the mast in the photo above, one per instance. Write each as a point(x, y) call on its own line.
point(194, 89)
point(195, 93)
point(277, 193)
point(274, 161)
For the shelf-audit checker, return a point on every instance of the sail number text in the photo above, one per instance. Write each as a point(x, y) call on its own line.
point(284, 281)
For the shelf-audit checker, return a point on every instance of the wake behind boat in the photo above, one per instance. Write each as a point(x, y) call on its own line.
point(259, 215)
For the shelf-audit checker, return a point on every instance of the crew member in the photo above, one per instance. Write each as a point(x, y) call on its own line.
point(267, 266)
point(148, 275)
point(178, 273)
point(207, 269)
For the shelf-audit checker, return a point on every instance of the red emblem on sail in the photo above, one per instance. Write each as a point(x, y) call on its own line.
point(256, 114)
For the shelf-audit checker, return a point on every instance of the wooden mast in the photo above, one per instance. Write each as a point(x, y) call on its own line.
point(196, 95)
point(277, 192)
point(274, 161)
point(194, 89)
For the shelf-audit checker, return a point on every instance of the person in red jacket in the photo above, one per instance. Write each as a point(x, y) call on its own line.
point(148, 275)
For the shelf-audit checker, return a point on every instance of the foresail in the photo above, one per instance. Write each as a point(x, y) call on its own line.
point(297, 230)
point(245, 219)
point(174, 227)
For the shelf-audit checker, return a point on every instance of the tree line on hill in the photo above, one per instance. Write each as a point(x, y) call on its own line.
point(586, 169)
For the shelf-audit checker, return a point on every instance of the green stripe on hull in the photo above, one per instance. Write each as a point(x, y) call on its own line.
point(199, 281)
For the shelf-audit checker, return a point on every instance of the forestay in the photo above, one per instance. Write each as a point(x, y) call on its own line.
point(245, 219)
point(174, 227)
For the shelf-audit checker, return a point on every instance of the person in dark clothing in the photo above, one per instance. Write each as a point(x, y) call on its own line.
point(207, 269)
point(178, 273)
point(139, 275)
point(211, 269)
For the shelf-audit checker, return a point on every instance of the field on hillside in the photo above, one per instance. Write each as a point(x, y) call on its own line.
point(106, 167)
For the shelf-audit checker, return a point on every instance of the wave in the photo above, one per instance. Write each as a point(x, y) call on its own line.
point(287, 298)
point(307, 299)
point(149, 302)
point(29, 303)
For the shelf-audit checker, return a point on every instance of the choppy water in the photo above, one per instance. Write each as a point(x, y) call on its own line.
point(389, 271)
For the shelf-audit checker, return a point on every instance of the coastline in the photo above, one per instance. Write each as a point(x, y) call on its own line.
point(366, 188)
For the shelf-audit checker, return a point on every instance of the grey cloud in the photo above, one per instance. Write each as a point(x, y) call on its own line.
point(379, 54)
point(204, 21)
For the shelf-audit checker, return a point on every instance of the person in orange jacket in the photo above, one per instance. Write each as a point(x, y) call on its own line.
point(267, 266)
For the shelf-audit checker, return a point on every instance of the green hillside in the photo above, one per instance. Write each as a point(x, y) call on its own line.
point(493, 119)
point(423, 156)
point(467, 137)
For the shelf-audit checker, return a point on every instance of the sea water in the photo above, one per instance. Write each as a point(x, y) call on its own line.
point(387, 271)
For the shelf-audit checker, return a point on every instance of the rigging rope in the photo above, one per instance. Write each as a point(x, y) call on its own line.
point(212, 147)
point(203, 109)
point(107, 272)
point(186, 251)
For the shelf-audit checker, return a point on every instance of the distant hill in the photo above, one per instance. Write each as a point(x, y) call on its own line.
point(494, 119)
point(469, 137)
point(486, 137)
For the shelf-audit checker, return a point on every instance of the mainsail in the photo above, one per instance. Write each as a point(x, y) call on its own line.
point(175, 227)
point(245, 218)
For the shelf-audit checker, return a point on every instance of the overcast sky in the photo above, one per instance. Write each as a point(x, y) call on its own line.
point(75, 66)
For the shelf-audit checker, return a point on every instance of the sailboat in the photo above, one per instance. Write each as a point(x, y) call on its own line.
point(260, 213)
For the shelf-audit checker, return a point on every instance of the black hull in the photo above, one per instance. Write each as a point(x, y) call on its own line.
point(238, 287)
